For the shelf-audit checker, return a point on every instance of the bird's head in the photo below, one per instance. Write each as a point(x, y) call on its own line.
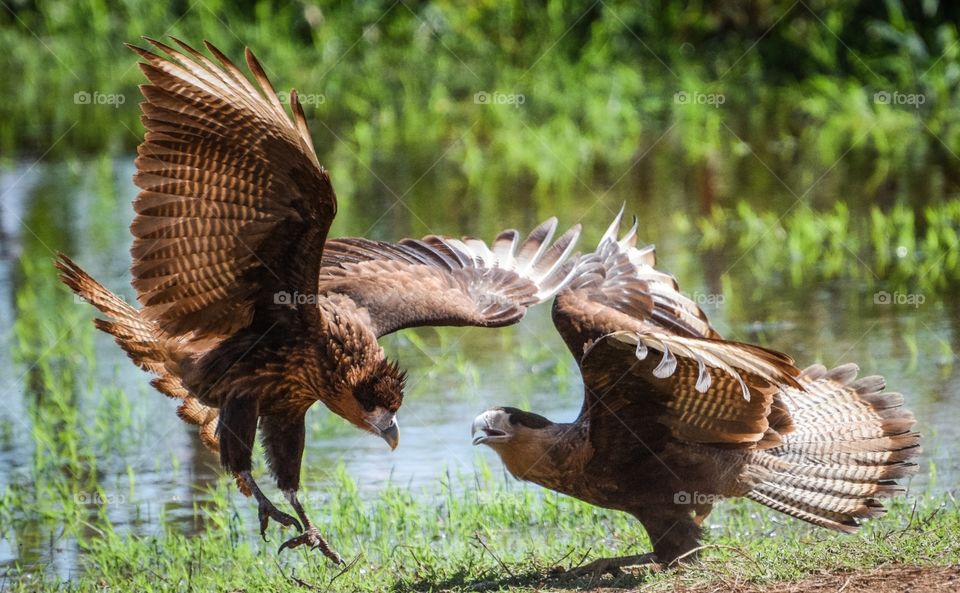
point(526, 442)
point(370, 397)
point(501, 426)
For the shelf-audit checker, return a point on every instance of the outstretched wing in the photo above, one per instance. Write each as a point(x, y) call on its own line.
point(702, 390)
point(234, 206)
point(444, 281)
point(649, 356)
point(617, 288)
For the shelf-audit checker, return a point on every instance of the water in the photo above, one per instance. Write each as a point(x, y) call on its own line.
point(151, 468)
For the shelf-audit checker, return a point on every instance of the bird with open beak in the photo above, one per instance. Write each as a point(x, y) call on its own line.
point(675, 418)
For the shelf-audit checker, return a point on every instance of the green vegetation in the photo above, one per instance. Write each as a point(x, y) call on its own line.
point(481, 533)
point(900, 248)
point(792, 160)
point(694, 109)
point(576, 91)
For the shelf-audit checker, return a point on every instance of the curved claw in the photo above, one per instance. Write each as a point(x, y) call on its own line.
point(312, 538)
point(267, 512)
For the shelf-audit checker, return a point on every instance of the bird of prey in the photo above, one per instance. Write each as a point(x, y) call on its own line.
point(675, 417)
point(249, 314)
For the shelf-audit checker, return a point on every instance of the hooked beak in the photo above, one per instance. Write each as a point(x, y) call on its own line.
point(384, 424)
point(483, 430)
point(391, 434)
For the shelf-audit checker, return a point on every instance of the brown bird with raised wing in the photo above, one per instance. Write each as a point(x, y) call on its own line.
point(249, 314)
point(675, 418)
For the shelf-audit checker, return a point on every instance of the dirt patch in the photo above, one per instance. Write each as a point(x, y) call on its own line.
point(889, 579)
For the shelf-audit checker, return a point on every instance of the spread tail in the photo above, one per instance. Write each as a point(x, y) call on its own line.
point(850, 441)
point(146, 345)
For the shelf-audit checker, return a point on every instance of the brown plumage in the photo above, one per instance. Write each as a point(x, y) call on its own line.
point(249, 315)
point(149, 348)
point(674, 417)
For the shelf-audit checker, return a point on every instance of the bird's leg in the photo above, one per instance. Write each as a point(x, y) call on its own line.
point(267, 510)
point(675, 532)
point(237, 429)
point(612, 566)
point(283, 438)
point(311, 535)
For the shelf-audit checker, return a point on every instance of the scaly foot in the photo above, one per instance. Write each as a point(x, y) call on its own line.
point(311, 537)
point(612, 566)
point(267, 511)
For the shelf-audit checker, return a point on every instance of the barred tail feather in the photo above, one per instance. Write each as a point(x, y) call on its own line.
point(849, 444)
point(143, 342)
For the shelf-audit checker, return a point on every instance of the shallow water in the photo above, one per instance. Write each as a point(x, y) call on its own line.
point(159, 469)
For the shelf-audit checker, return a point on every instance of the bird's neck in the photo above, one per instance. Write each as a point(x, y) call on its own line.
point(549, 455)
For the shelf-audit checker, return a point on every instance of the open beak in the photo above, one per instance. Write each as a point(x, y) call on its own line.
point(482, 431)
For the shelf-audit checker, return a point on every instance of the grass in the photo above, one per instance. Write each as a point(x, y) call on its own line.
point(470, 532)
point(482, 533)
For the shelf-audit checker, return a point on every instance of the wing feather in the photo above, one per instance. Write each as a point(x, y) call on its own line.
point(443, 281)
point(617, 288)
point(234, 206)
point(706, 391)
point(648, 354)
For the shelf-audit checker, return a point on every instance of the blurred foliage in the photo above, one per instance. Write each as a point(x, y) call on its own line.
point(897, 248)
point(752, 120)
point(601, 83)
